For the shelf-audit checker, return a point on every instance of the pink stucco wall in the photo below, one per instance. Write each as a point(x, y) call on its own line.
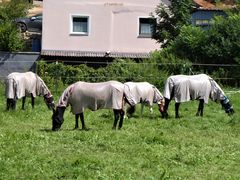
point(113, 25)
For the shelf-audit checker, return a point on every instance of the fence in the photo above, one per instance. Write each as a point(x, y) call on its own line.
point(58, 75)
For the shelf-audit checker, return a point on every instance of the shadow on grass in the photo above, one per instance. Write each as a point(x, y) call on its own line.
point(233, 120)
point(49, 130)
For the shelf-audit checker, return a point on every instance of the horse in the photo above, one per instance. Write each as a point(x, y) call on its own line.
point(144, 93)
point(20, 85)
point(84, 95)
point(183, 88)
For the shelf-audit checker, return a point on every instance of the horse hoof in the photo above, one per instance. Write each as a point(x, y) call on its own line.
point(85, 129)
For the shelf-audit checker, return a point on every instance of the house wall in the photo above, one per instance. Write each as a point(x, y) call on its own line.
point(114, 25)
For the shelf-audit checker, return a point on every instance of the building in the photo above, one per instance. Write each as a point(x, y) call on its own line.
point(98, 28)
point(206, 10)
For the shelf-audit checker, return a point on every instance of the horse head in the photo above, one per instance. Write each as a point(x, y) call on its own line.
point(159, 99)
point(227, 105)
point(11, 103)
point(48, 98)
point(161, 105)
point(57, 118)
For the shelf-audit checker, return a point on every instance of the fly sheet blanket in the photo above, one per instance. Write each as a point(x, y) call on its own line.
point(94, 96)
point(19, 85)
point(188, 88)
point(136, 92)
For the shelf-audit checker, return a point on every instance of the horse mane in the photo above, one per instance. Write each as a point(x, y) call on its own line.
point(217, 94)
point(157, 94)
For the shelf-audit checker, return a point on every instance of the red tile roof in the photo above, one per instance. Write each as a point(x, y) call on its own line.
point(211, 5)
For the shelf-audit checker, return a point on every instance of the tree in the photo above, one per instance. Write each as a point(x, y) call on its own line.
point(10, 38)
point(188, 44)
point(171, 19)
point(222, 40)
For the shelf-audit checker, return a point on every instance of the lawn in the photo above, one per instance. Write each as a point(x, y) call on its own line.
point(147, 147)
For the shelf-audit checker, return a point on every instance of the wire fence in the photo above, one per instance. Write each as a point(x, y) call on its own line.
point(226, 74)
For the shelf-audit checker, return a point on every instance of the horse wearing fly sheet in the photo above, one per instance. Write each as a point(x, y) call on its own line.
point(93, 96)
point(20, 85)
point(184, 88)
point(144, 93)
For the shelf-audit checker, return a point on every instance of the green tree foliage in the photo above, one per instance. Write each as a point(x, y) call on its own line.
point(171, 19)
point(222, 40)
point(10, 39)
point(188, 44)
point(219, 44)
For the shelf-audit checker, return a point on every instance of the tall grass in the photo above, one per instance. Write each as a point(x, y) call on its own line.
point(147, 147)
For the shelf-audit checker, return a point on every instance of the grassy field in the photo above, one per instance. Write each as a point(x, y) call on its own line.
point(147, 147)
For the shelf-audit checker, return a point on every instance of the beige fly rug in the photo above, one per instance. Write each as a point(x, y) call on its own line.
point(136, 92)
point(188, 88)
point(19, 85)
point(94, 96)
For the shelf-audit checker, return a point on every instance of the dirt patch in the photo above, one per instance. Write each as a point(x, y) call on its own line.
point(37, 8)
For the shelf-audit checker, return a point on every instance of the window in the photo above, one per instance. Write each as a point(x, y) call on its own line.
point(80, 25)
point(203, 22)
point(147, 27)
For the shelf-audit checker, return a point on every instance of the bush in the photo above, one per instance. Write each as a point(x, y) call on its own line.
point(58, 75)
point(170, 63)
point(10, 39)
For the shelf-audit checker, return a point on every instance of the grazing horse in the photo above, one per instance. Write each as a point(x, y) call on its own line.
point(94, 96)
point(184, 88)
point(144, 93)
point(20, 85)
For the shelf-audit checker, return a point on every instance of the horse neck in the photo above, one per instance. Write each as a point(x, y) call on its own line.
point(64, 98)
point(158, 95)
point(44, 89)
point(217, 91)
point(60, 111)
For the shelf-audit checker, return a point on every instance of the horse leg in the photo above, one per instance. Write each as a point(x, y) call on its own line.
point(151, 110)
point(142, 106)
point(165, 113)
point(125, 110)
point(121, 112)
point(33, 101)
point(177, 110)
point(76, 121)
point(13, 103)
point(8, 104)
point(200, 108)
point(23, 102)
point(83, 123)
point(116, 117)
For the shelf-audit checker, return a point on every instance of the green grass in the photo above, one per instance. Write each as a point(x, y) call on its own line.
point(147, 147)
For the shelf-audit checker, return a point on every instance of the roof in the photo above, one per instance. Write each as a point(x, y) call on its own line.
point(64, 53)
point(210, 5)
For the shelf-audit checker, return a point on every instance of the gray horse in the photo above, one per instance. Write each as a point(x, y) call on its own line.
point(93, 96)
point(144, 93)
point(184, 88)
point(20, 85)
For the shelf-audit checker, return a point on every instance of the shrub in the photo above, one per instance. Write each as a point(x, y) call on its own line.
point(58, 75)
